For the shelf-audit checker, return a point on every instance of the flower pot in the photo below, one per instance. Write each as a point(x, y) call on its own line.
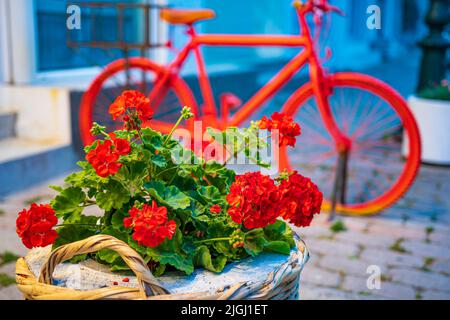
point(266, 276)
point(433, 120)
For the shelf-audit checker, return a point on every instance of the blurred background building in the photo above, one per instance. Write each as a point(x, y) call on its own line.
point(42, 79)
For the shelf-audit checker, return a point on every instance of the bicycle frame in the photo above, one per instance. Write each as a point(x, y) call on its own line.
point(306, 56)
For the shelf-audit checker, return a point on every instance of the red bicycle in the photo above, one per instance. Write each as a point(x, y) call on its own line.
point(352, 124)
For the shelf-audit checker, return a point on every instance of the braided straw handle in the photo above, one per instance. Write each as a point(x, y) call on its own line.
point(148, 284)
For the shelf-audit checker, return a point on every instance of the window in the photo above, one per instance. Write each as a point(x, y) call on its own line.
point(99, 24)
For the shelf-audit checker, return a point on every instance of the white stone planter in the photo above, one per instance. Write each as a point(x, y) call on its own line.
point(433, 119)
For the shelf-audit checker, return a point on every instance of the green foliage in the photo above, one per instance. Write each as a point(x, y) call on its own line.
point(114, 196)
point(437, 92)
point(7, 257)
point(85, 227)
point(6, 280)
point(69, 204)
point(238, 140)
point(202, 258)
point(398, 246)
point(338, 226)
point(273, 238)
point(169, 196)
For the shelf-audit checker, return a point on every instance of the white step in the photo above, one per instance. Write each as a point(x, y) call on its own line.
point(16, 148)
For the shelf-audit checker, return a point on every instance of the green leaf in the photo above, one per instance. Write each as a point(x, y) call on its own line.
point(56, 188)
point(202, 258)
point(170, 196)
point(71, 233)
point(68, 204)
point(111, 257)
point(210, 194)
point(159, 270)
point(171, 252)
point(108, 255)
point(134, 173)
point(114, 196)
point(280, 231)
point(117, 220)
point(278, 247)
point(87, 178)
point(119, 265)
point(153, 140)
point(121, 235)
point(159, 161)
point(254, 242)
point(219, 176)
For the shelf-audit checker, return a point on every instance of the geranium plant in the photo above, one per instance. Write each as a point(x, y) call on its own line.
point(439, 91)
point(175, 215)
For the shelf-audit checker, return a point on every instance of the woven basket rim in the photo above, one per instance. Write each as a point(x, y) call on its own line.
point(282, 282)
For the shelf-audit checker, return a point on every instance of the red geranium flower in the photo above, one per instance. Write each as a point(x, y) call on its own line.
point(34, 226)
point(121, 146)
point(253, 200)
point(104, 159)
point(150, 225)
point(288, 129)
point(265, 123)
point(215, 209)
point(300, 200)
point(131, 99)
point(117, 108)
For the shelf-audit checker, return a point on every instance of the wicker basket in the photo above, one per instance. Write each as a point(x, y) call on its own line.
point(281, 284)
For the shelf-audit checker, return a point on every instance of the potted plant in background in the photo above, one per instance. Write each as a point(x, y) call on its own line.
point(431, 108)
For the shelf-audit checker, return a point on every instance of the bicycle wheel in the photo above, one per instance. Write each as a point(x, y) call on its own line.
point(142, 75)
point(375, 118)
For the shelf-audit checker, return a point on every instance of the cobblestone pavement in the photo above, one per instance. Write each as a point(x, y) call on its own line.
point(408, 244)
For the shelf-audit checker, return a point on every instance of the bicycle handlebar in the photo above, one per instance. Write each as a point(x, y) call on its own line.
point(314, 5)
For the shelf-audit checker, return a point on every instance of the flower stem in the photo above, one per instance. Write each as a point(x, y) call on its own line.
point(165, 170)
point(213, 239)
point(173, 129)
point(76, 224)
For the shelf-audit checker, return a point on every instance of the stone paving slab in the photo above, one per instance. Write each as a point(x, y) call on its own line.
point(347, 266)
point(365, 239)
point(317, 276)
point(10, 293)
point(435, 295)
point(440, 267)
point(311, 292)
point(387, 290)
point(391, 259)
point(335, 248)
point(427, 249)
point(421, 279)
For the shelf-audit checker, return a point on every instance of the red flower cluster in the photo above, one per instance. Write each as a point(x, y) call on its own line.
point(215, 209)
point(253, 200)
point(105, 155)
point(300, 200)
point(288, 129)
point(150, 225)
point(34, 226)
point(256, 201)
point(131, 99)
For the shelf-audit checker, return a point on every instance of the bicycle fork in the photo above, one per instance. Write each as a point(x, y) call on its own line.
point(340, 183)
point(342, 142)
